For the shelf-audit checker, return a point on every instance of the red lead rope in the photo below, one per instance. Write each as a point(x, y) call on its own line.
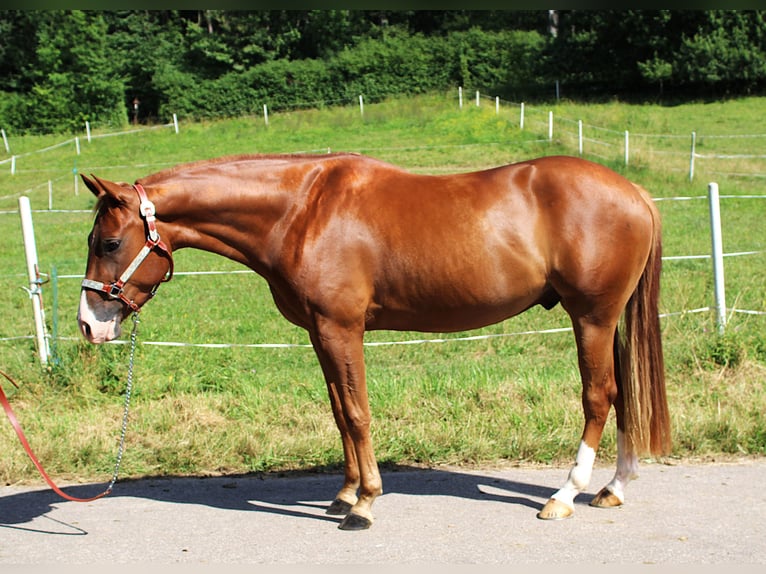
point(17, 427)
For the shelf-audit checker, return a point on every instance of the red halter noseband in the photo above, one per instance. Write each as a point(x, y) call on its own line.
point(115, 289)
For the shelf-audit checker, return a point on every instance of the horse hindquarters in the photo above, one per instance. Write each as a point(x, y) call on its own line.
point(625, 371)
point(643, 422)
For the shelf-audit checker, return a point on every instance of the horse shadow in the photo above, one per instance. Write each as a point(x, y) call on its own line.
point(299, 494)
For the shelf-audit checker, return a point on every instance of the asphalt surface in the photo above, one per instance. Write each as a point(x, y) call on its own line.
point(675, 514)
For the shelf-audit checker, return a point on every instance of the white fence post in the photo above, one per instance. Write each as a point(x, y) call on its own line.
point(35, 291)
point(460, 96)
point(497, 104)
point(266, 115)
point(550, 126)
point(627, 146)
point(579, 135)
point(87, 130)
point(717, 245)
point(477, 98)
point(521, 117)
point(175, 122)
point(691, 159)
point(361, 105)
point(5, 141)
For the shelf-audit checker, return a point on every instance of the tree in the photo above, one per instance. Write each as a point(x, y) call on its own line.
point(622, 51)
point(728, 50)
point(60, 68)
point(16, 28)
point(65, 78)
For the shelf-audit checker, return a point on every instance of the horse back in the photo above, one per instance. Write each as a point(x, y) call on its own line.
point(459, 251)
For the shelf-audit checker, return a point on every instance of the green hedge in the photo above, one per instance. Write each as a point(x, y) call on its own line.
point(376, 68)
point(396, 63)
point(59, 68)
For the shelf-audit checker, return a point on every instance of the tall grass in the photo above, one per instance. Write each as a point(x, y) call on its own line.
point(512, 398)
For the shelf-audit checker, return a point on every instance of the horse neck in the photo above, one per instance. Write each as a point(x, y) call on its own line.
point(232, 218)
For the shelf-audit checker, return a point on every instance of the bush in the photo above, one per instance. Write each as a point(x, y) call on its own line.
point(499, 62)
point(377, 68)
point(13, 111)
point(284, 84)
point(63, 104)
point(395, 64)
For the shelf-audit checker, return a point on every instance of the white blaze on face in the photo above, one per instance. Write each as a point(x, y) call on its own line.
point(93, 329)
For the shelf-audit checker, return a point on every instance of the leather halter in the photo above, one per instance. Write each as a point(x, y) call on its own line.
point(115, 289)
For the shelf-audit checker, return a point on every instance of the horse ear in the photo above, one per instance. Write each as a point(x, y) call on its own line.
point(103, 187)
point(91, 185)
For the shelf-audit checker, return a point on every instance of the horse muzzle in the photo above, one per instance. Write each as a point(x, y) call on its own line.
point(102, 325)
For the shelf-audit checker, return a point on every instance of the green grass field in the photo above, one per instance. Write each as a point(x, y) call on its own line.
point(512, 399)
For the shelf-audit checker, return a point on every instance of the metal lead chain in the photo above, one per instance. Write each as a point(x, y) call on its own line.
point(128, 391)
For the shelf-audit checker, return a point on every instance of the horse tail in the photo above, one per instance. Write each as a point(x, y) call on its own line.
point(640, 368)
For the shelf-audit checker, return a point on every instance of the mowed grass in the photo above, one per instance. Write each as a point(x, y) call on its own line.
point(511, 398)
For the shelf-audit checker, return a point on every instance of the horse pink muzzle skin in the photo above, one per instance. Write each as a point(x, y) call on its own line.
point(99, 326)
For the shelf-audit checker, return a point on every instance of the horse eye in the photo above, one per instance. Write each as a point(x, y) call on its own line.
point(111, 245)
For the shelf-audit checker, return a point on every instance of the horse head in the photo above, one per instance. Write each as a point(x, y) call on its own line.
point(127, 260)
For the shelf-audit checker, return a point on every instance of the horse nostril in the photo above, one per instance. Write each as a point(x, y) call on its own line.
point(85, 328)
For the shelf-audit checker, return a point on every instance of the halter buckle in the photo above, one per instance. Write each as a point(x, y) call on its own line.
point(146, 207)
point(115, 290)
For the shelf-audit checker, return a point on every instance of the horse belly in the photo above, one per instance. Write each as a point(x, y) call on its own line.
point(443, 302)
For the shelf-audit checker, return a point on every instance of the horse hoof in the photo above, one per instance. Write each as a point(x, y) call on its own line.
point(606, 499)
point(555, 510)
point(355, 522)
point(339, 508)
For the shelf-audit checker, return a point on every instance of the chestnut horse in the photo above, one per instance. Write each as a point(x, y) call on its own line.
point(349, 244)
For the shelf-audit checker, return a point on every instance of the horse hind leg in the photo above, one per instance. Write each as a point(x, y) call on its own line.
point(596, 362)
point(613, 494)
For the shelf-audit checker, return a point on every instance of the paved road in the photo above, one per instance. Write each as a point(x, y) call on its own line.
point(703, 514)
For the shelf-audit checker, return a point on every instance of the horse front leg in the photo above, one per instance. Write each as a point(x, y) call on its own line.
point(341, 354)
point(346, 497)
point(596, 361)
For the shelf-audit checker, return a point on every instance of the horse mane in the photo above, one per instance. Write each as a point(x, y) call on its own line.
point(185, 168)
